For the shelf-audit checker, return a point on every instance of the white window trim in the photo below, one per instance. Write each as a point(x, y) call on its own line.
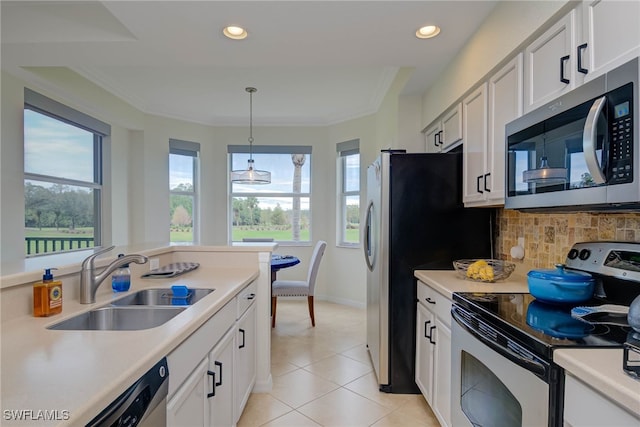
point(191, 149)
point(270, 149)
point(344, 149)
point(102, 137)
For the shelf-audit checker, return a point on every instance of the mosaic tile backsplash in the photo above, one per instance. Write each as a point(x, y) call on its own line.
point(548, 237)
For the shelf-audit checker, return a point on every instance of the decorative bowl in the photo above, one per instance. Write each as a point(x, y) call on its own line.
point(483, 270)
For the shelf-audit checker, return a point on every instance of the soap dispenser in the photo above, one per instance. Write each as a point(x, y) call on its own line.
point(47, 295)
point(121, 278)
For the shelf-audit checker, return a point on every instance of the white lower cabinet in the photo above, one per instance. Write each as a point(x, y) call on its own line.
point(212, 373)
point(245, 360)
point(433, 351)
point(584, 406)
point(188, 406)
point(221, 383)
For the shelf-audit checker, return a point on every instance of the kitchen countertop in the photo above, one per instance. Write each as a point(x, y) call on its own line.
point(447, 282)
point(602, 370)
point(80, 372)
point(599, 368)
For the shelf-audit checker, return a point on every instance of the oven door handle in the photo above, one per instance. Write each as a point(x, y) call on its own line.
point(531, 365)
point(590, 143)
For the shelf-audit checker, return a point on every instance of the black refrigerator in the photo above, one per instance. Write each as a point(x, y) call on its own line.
point(415, 220)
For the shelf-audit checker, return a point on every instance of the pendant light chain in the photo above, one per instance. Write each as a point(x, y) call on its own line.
point(251, 90)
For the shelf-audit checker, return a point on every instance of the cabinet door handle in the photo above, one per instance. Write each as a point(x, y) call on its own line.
point(478, 178)
point(426, 323)
point(436, 136)
point(212, 374)
point(219, 364)
point(486, 175)
point(563, 79)
point(431, 335)
point(250, 296)
point(581, 49)
point(242, 332)
point(441, 137)
point(429, 300)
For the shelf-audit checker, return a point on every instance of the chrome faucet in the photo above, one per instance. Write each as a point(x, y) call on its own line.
point(89, 282)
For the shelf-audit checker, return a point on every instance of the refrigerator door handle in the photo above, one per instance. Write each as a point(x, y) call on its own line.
point(369, 256)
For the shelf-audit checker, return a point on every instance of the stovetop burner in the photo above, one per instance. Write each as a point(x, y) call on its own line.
point(545, 326)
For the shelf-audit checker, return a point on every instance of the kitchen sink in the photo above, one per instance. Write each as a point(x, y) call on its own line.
point(119, 319)
point(162, 297)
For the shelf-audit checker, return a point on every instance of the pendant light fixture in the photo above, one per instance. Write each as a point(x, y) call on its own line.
point(250, 175)
point(545, 174)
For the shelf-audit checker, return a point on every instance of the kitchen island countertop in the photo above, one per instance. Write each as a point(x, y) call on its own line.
point(67, 377)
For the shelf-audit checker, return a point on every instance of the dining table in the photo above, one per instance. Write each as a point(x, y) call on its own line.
point(278, 262)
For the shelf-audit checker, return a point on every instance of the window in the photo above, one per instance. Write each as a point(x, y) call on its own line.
point(348, 193)
point(62, 176)
point(279, 210)
point(183, 190)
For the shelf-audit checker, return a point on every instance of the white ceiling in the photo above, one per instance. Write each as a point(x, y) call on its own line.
point(313, 62)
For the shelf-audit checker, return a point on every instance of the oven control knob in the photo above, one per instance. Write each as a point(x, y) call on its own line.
point(573, 254)
point(584, 254)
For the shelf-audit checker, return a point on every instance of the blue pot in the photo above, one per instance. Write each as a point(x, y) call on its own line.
point(560, 286)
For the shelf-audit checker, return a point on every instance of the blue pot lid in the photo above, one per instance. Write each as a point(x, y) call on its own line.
point(560, 274)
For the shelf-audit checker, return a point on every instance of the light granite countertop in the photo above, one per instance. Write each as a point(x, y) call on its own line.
point(80, 372)
point(599, 368)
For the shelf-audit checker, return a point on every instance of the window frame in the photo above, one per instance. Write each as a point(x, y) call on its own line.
point(189, 149)
point(270, 149)
point(101, 131)
point(343, 150)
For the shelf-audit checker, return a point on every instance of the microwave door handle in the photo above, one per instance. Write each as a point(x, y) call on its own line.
point(589, 141)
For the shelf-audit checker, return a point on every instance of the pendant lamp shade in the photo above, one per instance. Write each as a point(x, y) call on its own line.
point(250, 175)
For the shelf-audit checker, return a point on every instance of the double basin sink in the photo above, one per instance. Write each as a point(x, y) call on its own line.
point(144, 309)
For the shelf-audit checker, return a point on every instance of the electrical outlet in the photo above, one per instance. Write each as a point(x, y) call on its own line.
point(154, 263)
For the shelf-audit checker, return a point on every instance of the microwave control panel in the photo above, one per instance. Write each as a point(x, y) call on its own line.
point(621, 142)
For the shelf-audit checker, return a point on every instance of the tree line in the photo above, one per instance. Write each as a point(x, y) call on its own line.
point(247, 212)
point(59, 206)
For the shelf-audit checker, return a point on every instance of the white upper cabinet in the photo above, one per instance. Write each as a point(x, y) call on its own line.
point(474, 110)
point(505, 105)
point(610, 35)
point(446, 132)
point(486, 111)
point(549, 69)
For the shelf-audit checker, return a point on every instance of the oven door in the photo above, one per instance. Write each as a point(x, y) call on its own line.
point(489, 388)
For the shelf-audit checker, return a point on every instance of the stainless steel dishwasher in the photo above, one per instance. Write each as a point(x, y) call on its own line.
point(142, 404)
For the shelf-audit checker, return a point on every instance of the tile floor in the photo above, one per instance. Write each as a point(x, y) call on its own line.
point(323, 376)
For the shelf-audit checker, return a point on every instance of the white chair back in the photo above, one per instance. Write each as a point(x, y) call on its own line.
point(318, 251)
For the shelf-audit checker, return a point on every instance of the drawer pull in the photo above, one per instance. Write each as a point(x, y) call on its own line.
point(429, 300)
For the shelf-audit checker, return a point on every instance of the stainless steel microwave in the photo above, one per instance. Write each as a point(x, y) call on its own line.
point(579, 152)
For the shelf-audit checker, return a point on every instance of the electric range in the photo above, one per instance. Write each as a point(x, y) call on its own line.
point(503, 343)
point(542, 326)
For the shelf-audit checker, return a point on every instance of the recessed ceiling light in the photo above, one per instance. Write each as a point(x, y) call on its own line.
point(428, 32)
point(235, 33)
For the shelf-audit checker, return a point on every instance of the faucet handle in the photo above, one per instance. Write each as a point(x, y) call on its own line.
point(89, 260)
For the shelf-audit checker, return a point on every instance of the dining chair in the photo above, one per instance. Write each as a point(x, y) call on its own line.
point(299, 288)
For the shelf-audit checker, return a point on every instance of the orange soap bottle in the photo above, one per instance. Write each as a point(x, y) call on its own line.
point(47, 295)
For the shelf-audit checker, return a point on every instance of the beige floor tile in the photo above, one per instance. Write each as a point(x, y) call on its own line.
point(359, 353)
point(367, 386)
point(299, 387)
point(343, 408)
point(261, 408)
point(339, 369)
point(292, 419)
point(308, 366)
